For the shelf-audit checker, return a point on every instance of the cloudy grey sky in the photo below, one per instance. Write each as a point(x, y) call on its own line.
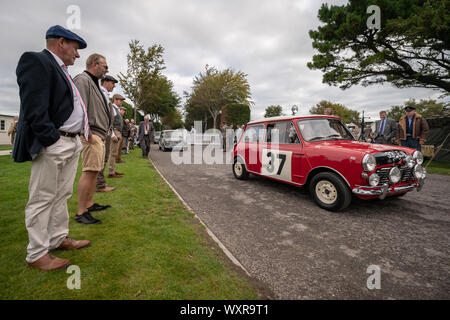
point(266, 39)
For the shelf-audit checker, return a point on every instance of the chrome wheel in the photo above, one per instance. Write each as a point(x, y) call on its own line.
point(326, 192)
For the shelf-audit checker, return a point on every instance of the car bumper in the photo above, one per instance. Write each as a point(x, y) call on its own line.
point(175, 146)
point(384, 190)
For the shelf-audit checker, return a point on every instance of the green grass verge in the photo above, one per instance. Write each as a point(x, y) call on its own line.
point(5, 147)
point(148, 246)
point(438, 167)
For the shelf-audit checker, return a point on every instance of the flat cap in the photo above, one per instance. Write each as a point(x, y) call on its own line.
point(60, 32)
point(410, 108)
point(110, 78)
point(118, 97)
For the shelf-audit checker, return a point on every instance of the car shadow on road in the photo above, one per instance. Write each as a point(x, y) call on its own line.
point(358, 207)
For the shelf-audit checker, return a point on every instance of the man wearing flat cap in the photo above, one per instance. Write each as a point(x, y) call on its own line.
point(412, 129)
point(119, 111)
point(108, 84)
point(52, 115)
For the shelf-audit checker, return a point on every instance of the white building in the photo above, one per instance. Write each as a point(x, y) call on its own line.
point(5, 122)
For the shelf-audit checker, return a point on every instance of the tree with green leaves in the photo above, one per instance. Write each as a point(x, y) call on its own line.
point(236, 114)
point(129, 114)
point(144, 68)
point(273, 111)
point(425, 107)
point(159, 97)
point(410, 49)
point(172, 119)
point(213, 89)
point(347, 115)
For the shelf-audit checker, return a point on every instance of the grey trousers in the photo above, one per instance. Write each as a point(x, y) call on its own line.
point(51, 185)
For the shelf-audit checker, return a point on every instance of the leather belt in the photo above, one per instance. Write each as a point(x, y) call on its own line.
point(68, 134)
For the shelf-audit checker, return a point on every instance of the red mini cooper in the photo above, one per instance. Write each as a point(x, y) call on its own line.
point(321, 153)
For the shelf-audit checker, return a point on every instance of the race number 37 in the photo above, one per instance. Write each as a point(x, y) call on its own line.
point(276, 163)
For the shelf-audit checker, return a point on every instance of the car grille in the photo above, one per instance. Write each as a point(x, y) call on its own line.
point(389, 157)
point(407, 174)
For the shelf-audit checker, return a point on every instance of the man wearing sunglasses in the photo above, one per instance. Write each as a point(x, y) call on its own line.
point(93, 152)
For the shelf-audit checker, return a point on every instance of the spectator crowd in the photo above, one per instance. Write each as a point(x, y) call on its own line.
point(60, 118)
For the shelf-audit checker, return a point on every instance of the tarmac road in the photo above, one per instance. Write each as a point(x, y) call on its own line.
point(300, 251)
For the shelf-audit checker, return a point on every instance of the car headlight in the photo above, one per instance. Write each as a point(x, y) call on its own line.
point(395, 175)
point(369, 163)
point(418, 156)
point(374, 180)
point(419, 172)
point(410, 162)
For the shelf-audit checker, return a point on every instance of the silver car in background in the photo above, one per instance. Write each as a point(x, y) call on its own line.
point(172, 140)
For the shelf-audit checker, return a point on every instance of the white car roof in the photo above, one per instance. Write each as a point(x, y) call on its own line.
point(289, 118)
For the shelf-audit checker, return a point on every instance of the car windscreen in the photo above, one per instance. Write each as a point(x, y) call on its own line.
point(173, 135)
point(323, 129)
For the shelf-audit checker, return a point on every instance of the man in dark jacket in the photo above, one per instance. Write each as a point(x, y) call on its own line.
point(51, 117)
point(146, 134)
point(385, 129)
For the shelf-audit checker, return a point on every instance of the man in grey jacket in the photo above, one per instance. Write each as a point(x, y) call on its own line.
point(385, 129)
point(93, 152)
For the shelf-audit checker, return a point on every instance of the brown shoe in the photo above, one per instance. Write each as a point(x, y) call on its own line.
point(114, 175)
point(71, 244)
point(49, 263)
point(106, 189)
point(118, 173)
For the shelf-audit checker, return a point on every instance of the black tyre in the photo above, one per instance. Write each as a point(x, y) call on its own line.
point(239, 170)
point(330, 192)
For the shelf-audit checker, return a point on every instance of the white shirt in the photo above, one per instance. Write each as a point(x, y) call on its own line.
point(75, 122)
point(105, 92)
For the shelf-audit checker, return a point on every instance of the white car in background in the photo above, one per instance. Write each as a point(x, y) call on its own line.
point(172, 140)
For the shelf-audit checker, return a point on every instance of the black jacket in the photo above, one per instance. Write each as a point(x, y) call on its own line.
point(46, 102)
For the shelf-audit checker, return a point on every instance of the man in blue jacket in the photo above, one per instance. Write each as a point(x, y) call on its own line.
point(52, 115)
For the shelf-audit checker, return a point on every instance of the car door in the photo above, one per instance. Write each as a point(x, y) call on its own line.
point(253, 136)
point(281, 155)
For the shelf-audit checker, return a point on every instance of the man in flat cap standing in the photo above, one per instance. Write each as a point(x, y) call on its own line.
point(108, 84)
point(116, 140)
point(412, 129)
point(93, 152)
point(52, 115)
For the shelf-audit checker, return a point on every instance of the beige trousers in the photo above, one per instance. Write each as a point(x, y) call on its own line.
point(51, 185)
point(113, 152)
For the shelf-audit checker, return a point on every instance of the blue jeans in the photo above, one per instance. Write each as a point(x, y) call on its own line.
point(411, 143)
